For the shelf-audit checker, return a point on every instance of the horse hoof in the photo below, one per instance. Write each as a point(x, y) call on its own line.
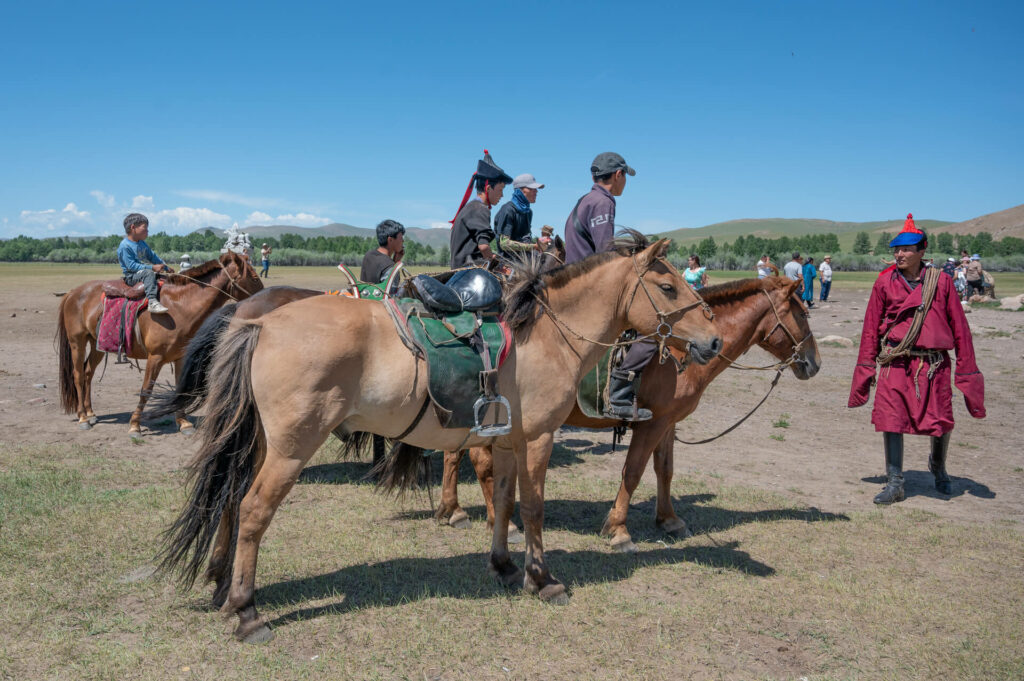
point(93, 419)
point(459, 520)
point(136, 437)
point(624, 545)
point(84, 425)
point(188, 431)
point(515, 536)
point(509, 576)
point(677, 529)
point(554, 594)
point(260, 634)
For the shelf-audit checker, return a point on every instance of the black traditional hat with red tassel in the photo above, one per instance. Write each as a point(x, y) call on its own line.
point(489, 170)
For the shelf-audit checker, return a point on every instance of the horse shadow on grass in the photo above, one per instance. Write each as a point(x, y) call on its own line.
point(922, 484)
point(403, 580)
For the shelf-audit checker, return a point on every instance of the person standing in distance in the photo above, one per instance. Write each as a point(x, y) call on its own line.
point(825, 273)
point(912, 393)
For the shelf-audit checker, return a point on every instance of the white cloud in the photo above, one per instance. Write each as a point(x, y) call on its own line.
point(52, 219)
point(295, 220)
point(184, 217)
point(440, 225)
point(227, 197)
point(141, 202)
point(258, 218)
point(102, 198)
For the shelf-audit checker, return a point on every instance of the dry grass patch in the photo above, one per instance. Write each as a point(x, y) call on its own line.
point(357, 586)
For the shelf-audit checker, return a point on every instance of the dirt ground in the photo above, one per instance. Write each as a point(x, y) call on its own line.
point(827, 456)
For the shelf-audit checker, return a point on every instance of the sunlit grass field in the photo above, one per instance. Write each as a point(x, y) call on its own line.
point(63, 276)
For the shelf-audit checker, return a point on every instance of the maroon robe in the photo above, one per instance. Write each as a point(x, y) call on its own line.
point(899, 407)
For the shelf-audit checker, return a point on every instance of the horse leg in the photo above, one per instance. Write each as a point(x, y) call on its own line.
point(500, 564)
point(483, 465)
point(153, 366)
point(665, 516)
point(90, 372)
point(218, 570)
point(279, 472)
point(532, 467)
point(449, 509)
point(185, 426)
point(645, 436)
point(78, 362)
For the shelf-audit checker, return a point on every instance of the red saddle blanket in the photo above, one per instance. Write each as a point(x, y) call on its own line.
point(117, 323)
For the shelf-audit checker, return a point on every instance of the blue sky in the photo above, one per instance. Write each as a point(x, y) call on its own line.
point(257, 113)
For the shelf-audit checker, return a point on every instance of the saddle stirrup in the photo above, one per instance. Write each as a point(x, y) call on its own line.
point(489, 395)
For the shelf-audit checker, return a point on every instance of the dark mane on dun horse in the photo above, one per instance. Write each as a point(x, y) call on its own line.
point(160, 339)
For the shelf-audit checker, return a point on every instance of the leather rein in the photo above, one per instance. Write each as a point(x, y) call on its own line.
point(232, 281)
point(779, 368)
point(664, 330)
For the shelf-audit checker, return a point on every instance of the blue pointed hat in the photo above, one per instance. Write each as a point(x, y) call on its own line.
point(910, 234)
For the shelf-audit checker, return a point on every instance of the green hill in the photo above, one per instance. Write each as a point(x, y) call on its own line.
point(774, 228)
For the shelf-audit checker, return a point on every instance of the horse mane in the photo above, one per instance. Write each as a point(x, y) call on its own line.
point(529, 280)
point(196, 272)
point(730, 291)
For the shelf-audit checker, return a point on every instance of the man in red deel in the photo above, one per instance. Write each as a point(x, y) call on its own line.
point(913, 394)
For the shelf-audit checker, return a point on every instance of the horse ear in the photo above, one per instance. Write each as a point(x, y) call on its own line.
point(656, 250)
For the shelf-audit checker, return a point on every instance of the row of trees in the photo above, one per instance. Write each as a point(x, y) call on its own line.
point(294, 249)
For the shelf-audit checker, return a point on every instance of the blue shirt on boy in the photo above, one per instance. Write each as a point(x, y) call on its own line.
point(135, 256)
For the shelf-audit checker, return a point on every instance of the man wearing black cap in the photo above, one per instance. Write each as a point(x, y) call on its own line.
point(471, 229)
point(591, 229)
point(591, 225)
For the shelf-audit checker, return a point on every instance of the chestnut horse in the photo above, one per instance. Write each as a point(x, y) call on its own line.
point(275, 394)
point(160, 339)
point(748, 312)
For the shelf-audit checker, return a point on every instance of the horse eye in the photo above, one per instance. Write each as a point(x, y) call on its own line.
point(668, 288)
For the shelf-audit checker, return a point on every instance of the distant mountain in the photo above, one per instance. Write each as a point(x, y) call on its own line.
point(427, 237)
point(774, 228)
point(1009, 222)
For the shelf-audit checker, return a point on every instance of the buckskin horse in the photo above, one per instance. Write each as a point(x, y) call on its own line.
point(190, 298)
point(275, 395)
point(748, 312)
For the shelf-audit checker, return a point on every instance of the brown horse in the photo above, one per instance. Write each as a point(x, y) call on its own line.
point(161, 339)
point(748, 312)
point(275, 395)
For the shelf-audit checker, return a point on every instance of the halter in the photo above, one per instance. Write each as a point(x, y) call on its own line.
point(797, 345)
point(232, 281)
point(664, 330)
point(779, 367)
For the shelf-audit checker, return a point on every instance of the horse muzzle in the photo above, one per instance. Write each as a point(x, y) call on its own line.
point(702, 353)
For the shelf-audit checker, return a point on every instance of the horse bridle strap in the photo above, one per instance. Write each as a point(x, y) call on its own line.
point(662, 317)
point(778, 366)
point(775, 382)
point(232, 282)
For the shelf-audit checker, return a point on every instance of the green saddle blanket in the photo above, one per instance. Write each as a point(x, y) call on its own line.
point(592, 393)
point(454, 357)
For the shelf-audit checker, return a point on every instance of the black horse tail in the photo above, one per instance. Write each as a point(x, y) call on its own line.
point(404, 468)
point(191, 387)
point(230, 450)
point(66, 366)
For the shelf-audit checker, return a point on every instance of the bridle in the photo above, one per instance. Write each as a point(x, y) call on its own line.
point(664, 330)
point(798, 345)
point(779, 368)
point(232, 281)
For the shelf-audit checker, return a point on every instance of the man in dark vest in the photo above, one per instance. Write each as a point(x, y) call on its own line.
point(378, 262)
point(471, 229)
point(590, 229)
point(514, 223)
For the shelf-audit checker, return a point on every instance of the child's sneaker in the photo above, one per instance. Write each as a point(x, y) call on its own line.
point(156, 307)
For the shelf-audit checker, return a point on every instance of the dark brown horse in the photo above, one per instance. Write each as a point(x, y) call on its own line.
point(161, 339)
point(748, 312)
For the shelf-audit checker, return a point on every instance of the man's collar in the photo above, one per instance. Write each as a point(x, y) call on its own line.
point(604, 190)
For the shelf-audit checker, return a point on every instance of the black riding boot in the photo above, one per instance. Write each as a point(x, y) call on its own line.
point(622, 398)
point(893, 469)
point(937, 464)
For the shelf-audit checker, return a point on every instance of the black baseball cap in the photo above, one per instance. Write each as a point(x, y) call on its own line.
point(609, 162)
